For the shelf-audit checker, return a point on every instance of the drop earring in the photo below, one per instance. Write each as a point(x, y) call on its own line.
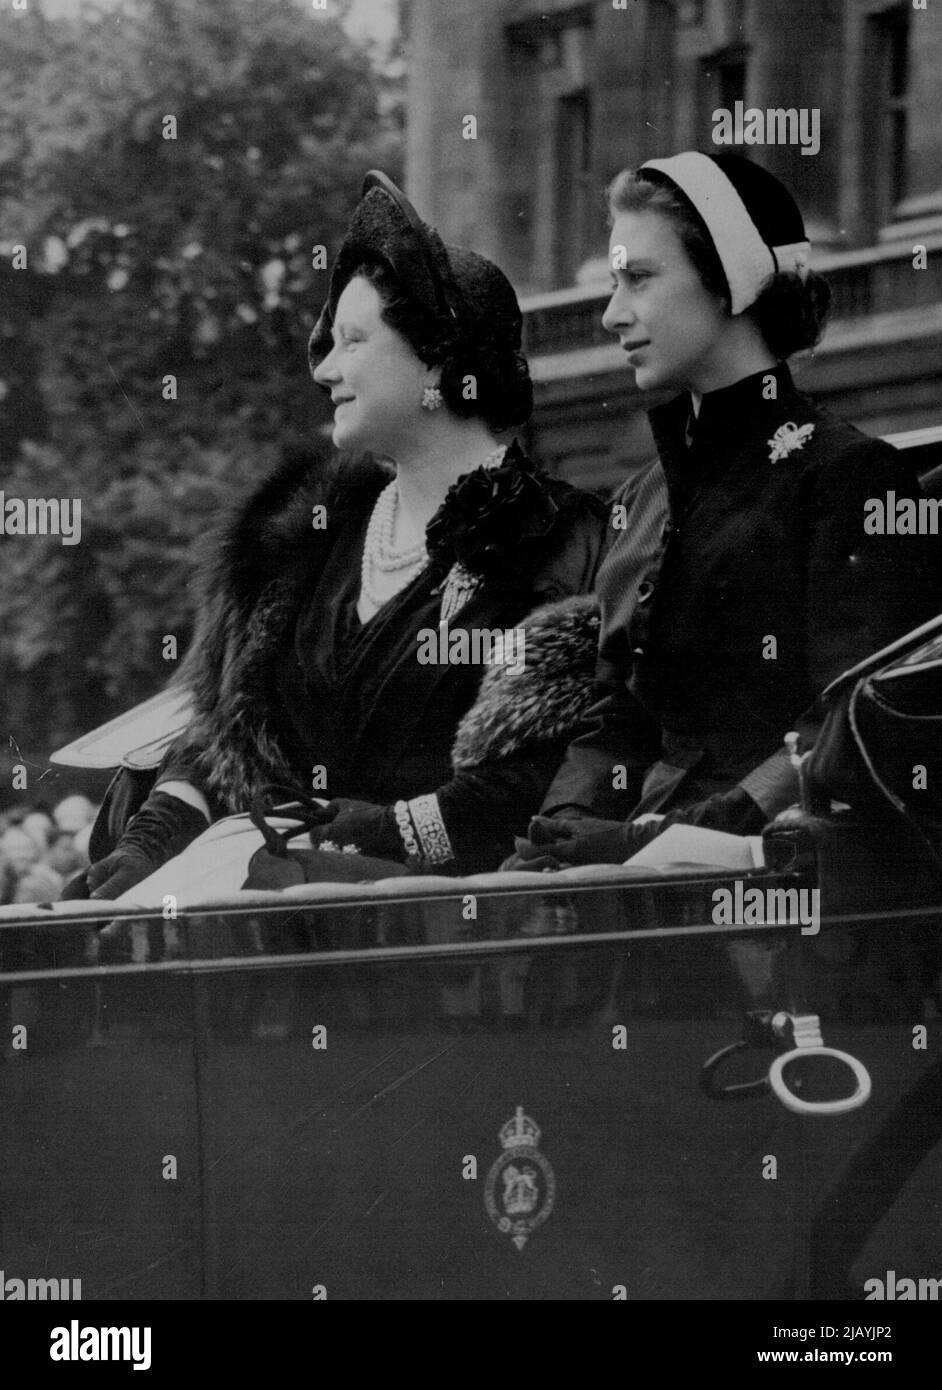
point(432, 398)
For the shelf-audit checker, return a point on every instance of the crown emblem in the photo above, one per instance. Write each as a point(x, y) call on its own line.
point(520, 1133)
point(520, 1187)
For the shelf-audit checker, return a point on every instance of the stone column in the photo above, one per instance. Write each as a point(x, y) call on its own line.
point(924, 167)
point(620, 106)
point(457, 65)
point(794, 61)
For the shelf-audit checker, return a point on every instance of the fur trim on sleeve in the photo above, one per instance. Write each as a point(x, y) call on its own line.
point(543, 701)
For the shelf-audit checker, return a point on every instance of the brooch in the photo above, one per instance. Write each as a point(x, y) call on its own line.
point(457, 590)
point(787, 438)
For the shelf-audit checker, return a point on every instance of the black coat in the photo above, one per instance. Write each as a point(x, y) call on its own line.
point(386, 727)
point(742, 587)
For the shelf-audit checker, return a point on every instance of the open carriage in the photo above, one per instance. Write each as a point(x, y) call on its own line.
point(497, 1087)
point(596, 1084)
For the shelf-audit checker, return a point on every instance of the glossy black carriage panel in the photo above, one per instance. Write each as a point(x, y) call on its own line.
point(355, 1102)
point(495, 1095)
point(99, 1140)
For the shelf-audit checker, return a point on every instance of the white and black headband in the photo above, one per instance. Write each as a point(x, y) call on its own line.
point(751, 217)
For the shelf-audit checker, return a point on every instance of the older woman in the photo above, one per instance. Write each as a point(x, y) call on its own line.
point(377, 636)
point(744, 579)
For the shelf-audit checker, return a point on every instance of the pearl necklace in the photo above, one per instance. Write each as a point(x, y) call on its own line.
point(380, 556)
point(385, 555)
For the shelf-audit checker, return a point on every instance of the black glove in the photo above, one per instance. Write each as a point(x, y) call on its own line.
point(554, 842)
point(372, 829)
point(77, 886)
point(163, 827)
point(733, 811)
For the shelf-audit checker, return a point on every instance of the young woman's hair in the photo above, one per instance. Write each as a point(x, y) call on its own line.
point(790, 312)
point(503, 391)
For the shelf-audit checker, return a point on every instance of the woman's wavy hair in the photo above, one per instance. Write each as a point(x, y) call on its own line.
point(503, 391)
point(790, 312)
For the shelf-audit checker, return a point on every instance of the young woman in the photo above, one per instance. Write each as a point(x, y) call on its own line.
point(744, 579)
point(346, 623)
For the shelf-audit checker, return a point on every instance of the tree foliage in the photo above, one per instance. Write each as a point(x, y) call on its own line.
point(152, 258)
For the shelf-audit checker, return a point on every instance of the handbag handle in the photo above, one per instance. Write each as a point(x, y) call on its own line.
point(267, 801)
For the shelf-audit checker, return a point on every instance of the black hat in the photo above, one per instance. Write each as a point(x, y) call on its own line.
point(467, 298)
point(754, 222)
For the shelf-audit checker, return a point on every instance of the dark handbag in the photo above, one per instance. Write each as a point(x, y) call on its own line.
point(276, 866)
point(879, 749)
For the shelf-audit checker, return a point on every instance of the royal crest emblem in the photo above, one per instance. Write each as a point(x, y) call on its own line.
point(521, 1186)
point(787, 438)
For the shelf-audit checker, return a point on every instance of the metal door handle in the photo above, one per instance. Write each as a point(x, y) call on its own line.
point(819, 1107)
point(764, 1029)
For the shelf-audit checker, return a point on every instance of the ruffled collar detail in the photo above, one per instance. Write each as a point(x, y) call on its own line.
point(496, 522)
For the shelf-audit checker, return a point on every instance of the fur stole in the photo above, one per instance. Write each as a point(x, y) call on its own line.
point(248, 588)
point(546, 699)
point(266, 556)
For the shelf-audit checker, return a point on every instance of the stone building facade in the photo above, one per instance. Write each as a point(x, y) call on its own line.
point(520, 113)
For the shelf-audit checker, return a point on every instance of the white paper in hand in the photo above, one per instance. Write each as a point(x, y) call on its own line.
point(691, 844)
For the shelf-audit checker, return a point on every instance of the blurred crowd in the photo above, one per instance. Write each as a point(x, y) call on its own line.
point(41, 850)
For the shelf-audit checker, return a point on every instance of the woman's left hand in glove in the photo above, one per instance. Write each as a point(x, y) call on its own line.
point(554, 842)
point(734, 812)
point(369, 829)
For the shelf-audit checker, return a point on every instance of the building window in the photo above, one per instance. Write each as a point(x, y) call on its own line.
point(886, 96)
point(574, 184)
